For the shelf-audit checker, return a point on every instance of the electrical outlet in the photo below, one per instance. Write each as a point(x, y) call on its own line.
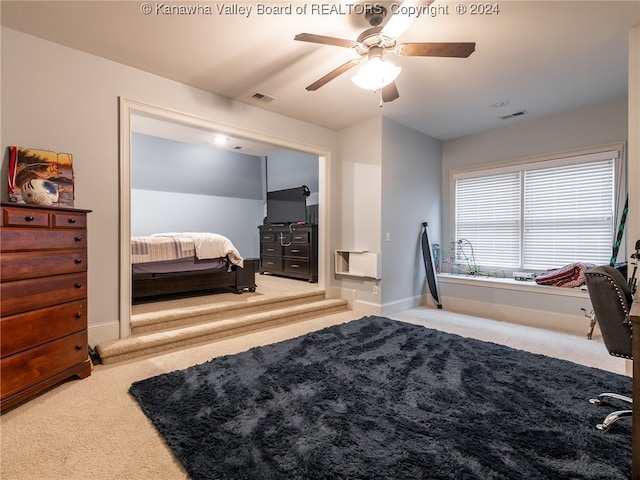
point(376, 290)
point(388, 236)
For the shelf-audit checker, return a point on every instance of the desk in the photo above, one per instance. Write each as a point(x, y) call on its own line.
point(635, 320)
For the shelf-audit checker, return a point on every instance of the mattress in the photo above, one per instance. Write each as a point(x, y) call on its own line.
point(188, 264)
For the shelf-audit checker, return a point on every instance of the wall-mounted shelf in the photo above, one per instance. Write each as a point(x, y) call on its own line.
point(357, 263)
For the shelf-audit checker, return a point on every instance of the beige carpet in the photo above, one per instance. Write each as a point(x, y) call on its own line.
point(92, 429)
point(266, 286)
point(163, 326)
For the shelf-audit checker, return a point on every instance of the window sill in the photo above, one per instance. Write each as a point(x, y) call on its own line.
point(511, 284)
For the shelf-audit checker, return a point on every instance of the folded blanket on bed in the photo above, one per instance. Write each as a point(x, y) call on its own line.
point(160, 249)
point(571, 275)
point(209, 245)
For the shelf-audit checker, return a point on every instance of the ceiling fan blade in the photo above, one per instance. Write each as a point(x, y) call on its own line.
point(325, 40)
point(434, 49)
point(403, 18)
point(390, 92)
point(333, 74)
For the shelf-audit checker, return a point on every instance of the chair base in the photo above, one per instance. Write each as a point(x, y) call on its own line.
point(613, 417)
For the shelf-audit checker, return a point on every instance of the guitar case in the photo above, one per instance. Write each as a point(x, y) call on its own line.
point(429, 265)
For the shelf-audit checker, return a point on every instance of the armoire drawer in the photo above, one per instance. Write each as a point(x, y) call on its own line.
point(24, 295)
point(21, 370)
point(40, 264)
point(21, 239)
point(26, 330)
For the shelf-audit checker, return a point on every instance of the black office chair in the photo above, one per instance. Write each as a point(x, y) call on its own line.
point(611, 300)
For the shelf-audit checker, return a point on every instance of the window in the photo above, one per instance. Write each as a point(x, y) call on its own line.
point(538, 215)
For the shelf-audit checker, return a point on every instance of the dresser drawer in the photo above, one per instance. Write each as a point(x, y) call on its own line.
point(21, 239)
point(295, 250)
point(300, 237)
point(40, 264)
point(271, 264)
point(25, 330)
point(27, 368)
point(68, 220)
point(296, 266)
point(24, 295)
point(273, 249)
point(24, 217)
point(268, 237)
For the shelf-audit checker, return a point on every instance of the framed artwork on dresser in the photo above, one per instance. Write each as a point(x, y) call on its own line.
point(40, 177)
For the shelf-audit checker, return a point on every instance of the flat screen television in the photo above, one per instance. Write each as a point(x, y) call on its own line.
point(287, 206)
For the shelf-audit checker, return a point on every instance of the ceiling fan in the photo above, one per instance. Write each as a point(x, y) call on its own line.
point(374, 42)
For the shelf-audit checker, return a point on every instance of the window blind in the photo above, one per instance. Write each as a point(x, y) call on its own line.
point(568, 214)
point(538, 215)
point(488, 216)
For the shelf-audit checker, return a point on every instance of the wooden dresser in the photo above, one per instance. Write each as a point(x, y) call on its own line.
point(290, 251)
point(43, 299)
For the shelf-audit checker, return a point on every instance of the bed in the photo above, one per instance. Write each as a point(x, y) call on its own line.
point(178, 263)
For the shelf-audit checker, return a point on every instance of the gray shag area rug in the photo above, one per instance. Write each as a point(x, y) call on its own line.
point(381, 399)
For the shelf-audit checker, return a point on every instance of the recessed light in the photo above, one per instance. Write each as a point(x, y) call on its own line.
point(500, 103)
point(220, 139)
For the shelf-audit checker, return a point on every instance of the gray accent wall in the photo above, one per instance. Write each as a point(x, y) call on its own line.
point(289, 169)
point(411, 195)
point(183, 187)
point(167, 165)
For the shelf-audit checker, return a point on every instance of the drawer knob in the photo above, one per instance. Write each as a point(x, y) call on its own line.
point(29, 218)
point(79, 315)
point(78, 261)
point(78, 239)
point(72, 220)
point(79, 347)
point(78, 285)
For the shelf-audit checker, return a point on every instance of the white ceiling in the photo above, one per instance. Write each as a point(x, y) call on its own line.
point(544, 57)
point(172, 130)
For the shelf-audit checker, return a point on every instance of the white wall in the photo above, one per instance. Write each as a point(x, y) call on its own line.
point(359, 206)
point(390, 178)
point(360, 151)
point(67, 100)
point(586, 127)
point(633, 151)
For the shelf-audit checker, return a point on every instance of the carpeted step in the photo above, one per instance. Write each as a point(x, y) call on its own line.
point(192, 315)
point(144, 344)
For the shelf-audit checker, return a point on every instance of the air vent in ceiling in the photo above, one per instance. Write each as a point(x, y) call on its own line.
point(513, 115)
point(262, 97)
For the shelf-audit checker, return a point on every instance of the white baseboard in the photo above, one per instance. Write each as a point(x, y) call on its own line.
point(103, 332)
point(559, 322)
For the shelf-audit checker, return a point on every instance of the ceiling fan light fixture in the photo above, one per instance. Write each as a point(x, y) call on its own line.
point(376, 73)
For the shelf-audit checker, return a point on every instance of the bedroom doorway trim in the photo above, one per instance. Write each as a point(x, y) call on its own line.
point(129, 108)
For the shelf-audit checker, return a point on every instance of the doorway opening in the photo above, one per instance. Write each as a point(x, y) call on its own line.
point(130, 112)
